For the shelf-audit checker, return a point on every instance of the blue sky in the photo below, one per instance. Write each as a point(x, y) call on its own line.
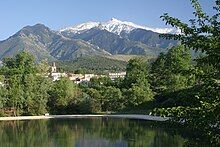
point(57, 14)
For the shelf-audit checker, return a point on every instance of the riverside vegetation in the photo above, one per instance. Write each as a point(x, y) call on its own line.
point(174, 85)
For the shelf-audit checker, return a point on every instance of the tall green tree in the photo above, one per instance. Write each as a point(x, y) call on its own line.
point(136, 72)
point(202, 35)
point(63, 93)
point(112, 99)
point(22, 84)
point(106, 95)
point(36, 95)
point(95, 101)
point(3, 93)
point(21, 64)
point(172, 71)
point(15, 70)
point(137, 88)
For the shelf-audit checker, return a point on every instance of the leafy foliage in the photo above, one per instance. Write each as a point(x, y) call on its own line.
point(25, 90)
point(202, 35)
point(137, 87)
point(63, 93)
point(172, 71)
point(202, 115)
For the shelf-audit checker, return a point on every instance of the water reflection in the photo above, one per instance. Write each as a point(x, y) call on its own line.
point(93, 132)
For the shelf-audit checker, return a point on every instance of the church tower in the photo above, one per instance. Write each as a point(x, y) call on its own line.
point(54, 68)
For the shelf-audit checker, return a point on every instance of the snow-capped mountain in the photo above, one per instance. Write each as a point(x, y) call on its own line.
point(81, 27)
point(87, 39)
point(115, 26)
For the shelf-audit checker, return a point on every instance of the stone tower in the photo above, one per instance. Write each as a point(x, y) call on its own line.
point(54, 68)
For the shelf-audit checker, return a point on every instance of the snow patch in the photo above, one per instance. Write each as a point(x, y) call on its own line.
point(81, 27)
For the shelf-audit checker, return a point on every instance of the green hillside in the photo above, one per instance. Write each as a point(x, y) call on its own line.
point(93, 64)
point(126, 58)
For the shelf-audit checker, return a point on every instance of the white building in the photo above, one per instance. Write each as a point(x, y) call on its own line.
point(87, 77)
point(114, 76)
point(56, 75)
point(84, 78)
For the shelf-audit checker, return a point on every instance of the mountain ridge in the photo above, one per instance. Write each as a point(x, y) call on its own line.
point(115, 26)
point(46, 44)
point(120, 38)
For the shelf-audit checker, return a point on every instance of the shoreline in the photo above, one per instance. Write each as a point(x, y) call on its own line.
point(126, 116)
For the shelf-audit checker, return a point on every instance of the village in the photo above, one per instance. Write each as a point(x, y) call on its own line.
point(79, 78)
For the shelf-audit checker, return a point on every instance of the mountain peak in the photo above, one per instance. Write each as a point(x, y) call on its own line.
point(39, 24)
point(115, 20)
point(81, 27)
point(36, 26)
point(114, 26)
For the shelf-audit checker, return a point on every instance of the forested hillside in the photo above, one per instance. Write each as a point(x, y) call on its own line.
point(95, 64)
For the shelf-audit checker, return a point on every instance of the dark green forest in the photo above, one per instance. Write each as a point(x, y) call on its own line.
point(93, 64)
point(175, 85)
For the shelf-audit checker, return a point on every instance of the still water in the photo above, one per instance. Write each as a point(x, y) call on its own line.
point(87, 132)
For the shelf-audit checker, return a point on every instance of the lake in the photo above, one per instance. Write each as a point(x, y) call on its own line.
point(86, 132)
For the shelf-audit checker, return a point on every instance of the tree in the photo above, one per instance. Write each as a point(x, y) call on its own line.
point(95, 101)
point(36, 94)
point(136, 83)
point(172, 71)
point(136, 72)
point(43, 68)
point(63, 93)
point(15, 70)
point(26, 87)
point(137, 95)
point(202, 35)
point(3, 93)
point(22, 64)
point(112, 99)
point(178, 59)
point(79, 71)
point(106, 96)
